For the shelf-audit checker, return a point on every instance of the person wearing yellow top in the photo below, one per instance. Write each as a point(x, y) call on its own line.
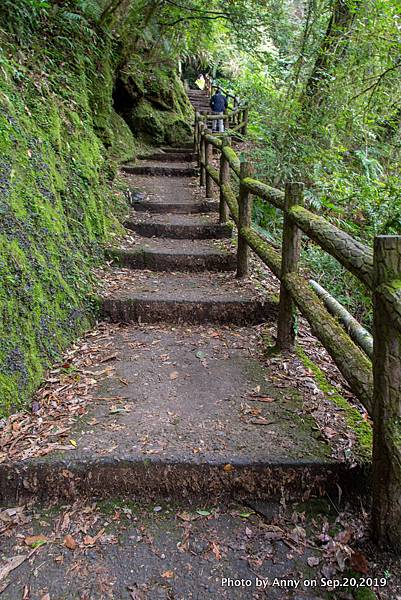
point(200, 82)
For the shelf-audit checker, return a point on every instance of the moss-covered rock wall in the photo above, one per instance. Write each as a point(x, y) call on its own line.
point(153, 103)
point(55, 202)
point(61, 141)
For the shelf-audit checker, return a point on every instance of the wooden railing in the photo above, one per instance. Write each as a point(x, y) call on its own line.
point(235, 120)
point(378, 387)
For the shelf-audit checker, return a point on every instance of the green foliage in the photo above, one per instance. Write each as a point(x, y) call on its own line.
point(342, 140)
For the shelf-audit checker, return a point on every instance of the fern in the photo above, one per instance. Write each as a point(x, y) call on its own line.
point(90, 8)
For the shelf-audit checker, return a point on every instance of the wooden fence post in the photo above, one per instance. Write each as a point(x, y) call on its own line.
point(386, 471)
point(198, 144)
point(245, 121)
point(208, 161)
point(224, 178)
point(291, 250)
point(244, 220)
point(202, 154)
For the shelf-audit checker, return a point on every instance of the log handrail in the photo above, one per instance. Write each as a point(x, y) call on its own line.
point(350, 355)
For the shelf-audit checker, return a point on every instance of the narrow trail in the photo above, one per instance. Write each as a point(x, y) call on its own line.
point(188, 405)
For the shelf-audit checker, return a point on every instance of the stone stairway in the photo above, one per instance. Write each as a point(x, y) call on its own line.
point(200, 100)
point(187, 406)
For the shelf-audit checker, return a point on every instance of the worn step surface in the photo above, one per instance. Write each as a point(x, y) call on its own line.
point(179, 226)
point(176, 149)
point(134, 296)
point(167, 195)
point(175, 207)
point(154, 167)
point(177, 551)
point(170, 157)
point(176, 412)
point(173, 255)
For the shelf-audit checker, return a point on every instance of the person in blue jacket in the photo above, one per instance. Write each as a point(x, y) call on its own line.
point(218, 104)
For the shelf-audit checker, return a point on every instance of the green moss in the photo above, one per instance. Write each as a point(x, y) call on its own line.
point(364, 593)
point(154, 104)
point(124, 147)
point(56, 207)
point(353, 418)
point(158, 126)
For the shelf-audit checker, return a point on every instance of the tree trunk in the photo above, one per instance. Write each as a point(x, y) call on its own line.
point(387, 401)
point(332, 48)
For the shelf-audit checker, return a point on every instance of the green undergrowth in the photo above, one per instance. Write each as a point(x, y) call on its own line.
point(353, 417)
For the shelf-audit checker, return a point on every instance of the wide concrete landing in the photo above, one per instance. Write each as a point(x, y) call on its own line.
point(137, 296)
point(121, 551)
point(182, 412)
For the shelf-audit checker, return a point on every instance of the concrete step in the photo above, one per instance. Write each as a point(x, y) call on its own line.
point(178, 195)
point(181, 169)
point(175, 207)
point(170, 157)
point(184, 298)
point(173, 419)
point(174, 150)
point(179, 226)
point(173, 255)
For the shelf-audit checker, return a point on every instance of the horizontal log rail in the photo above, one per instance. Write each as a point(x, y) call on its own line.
point(354, 349)
point(371, 364)
point(234, 119)
point(358, 334)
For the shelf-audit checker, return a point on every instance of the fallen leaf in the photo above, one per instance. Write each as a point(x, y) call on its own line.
point(203, 513)
point(69, 542)
point(168, 574)
point(228, 468)
point(261, 421)
point(186, 516)
point(216, 550)
point(264, 399)
point(73, 443)
point(35, 540)
point(91, 540)
point(12, 563)
point(359, 562)
point(174, 375)
point(344, 536)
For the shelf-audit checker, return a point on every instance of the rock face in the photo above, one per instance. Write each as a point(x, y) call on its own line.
point(154, 105)
point(56, 141)
point(68, 118)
